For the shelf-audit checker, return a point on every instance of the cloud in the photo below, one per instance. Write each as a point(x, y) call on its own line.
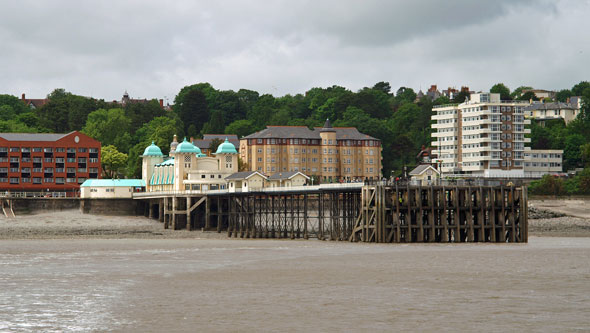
point(152, 49)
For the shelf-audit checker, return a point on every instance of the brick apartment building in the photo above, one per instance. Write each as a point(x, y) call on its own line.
point(333, 154)
point(41, 161)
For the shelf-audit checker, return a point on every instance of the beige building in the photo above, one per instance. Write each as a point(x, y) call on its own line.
point(425, 174)
point(187, 169)
point(246, 181)
point(110, 188)
point(546, 111)
point(287, 179)
point(539, 162)
point(332, 154)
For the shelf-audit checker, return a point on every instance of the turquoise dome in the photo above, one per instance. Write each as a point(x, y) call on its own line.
point(187, 148)
point(226, 148)
point(152, 150)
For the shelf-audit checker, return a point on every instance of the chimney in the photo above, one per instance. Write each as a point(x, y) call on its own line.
point(23, 98)
point(162, 106)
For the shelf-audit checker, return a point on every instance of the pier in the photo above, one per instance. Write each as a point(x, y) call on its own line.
point(380, 212)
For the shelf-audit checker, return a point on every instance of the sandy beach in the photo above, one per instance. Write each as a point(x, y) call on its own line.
point(74, 224)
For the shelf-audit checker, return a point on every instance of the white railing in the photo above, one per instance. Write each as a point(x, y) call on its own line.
point(310, 188)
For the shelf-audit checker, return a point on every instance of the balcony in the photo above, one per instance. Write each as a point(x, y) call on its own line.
point(82, 170)
point(14, 160)
point(37, 160)
point(60, 160)
point(3, 159)
point(60, 170)
point(48, 160)
point(37, 169)
point(451, 125)
point(14, 170)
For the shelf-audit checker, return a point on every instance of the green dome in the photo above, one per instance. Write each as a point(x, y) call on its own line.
point(226, 148)
point(187, 147)
point(152, 150)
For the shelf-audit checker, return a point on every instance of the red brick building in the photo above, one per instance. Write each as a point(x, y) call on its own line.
point(41, 161)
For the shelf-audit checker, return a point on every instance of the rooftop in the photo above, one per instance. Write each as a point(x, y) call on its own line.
point(113, 183)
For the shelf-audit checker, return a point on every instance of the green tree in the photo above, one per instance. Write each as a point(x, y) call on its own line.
point(241, 128)
point(112, 161)
point(383, 87)
point(160, 130)
point(548, 185)
point(214, 144)
point(460, 97)
point(528, 96)
point(192, 109)
point(500, 88)
point(405, 95)
point(578, 89)
point(585, 154)
point(571, 152)
point(110, 127)
point(518, 92)
point(563, 95)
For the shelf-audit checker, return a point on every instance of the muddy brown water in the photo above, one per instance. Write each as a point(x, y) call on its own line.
point(189, 285)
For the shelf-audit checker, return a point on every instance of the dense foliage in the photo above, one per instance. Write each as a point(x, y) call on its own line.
point(397, 118)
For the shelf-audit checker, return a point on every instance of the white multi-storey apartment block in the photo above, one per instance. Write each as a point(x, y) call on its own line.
point(483, 137)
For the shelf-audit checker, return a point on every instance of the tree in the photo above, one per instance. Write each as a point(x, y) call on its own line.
point(383, 86)
point(160, 130)
point(214, 144)
point(110, 127)
point(578, 89)
point(585, 154)
point(518, 91)
point(405, 95)
point(112, 161)
point(500, 88)
point(215, 123)
point(527, 96)
point(192, 109)
point(563, 95)
point(548, 185)
point(571, 152)
point(460, 97)
point(241, 128)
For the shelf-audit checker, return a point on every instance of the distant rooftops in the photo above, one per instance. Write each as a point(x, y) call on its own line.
point(205, 142)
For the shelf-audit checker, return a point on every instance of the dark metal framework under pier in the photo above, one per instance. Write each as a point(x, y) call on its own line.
point(375, 213)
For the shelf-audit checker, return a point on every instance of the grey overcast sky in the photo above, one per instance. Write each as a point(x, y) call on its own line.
point(154, 48)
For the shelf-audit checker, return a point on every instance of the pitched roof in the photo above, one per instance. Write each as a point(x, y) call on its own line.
point(302, 132)
point(33, 136)
point(243, 175)
point(205, 142)
point(113, 183)
point(550, 106)
point(285, 175)
point(421, 168)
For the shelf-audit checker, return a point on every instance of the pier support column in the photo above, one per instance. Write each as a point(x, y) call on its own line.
point(174, 213)
point(161, 210)
point(188, 213)
point(166, 216)
point(151, 209)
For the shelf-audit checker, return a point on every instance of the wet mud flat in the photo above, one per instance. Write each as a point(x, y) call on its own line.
point(221, 285)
